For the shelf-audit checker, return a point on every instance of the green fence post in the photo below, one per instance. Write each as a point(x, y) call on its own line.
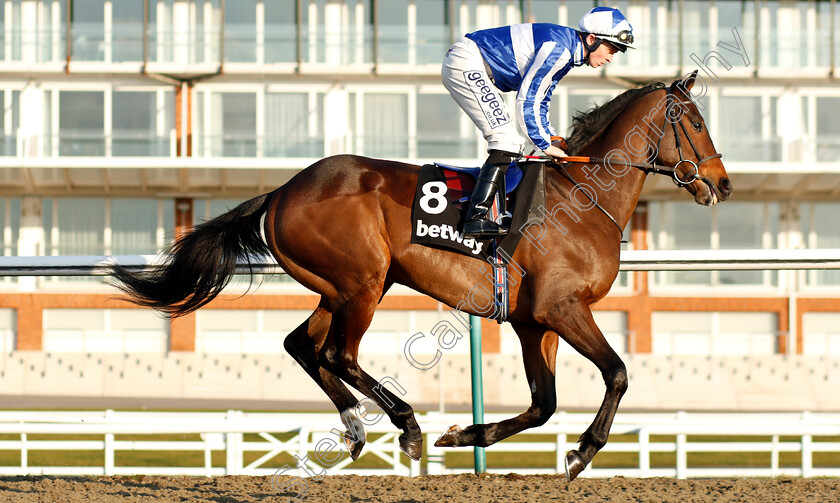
point(477, 388)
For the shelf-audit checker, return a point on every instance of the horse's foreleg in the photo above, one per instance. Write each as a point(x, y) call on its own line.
point(340, 355)
point(303, 344)
point(576, 325)
point(539, 350)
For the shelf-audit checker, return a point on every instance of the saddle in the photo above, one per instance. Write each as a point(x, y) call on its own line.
point(512, 177)
point(439, 207)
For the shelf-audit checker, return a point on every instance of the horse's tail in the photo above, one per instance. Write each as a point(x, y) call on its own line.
point(202, 262)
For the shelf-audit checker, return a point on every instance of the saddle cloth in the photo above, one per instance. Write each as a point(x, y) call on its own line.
point(440, 203)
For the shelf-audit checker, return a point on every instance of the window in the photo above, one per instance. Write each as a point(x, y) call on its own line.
point(9, 233)
point(613, 325)
point(746, 226)
point(9, 121)
point(820, 334)
point(139, 226)
point(78, 226)
point(644, 53)
point(280, 31)
point(226, 124)
point(787, 38)
point(828, 129)
point(738, 15)
point(385, 125)
point(7, 31)
point(240, 31)
point(390, 330)
point(546, 11)
point(441, 132)
point(28, 38)
point(243, 330)
point(432, 33)
point(88, 34)
point(576, 9)
point(578, 103)
point(81, 123)
point(821, 229)
point(294, 125)
point(10, 220)
point(393, 31)
point(291, 124)
point(338, 33)
point(687, 226)
point(714, 333)
point(8, 330)
point(136, 130)
point(109, 123)
point(747, 128)
point(584, 102)
point(104, 331)
point(127, 30)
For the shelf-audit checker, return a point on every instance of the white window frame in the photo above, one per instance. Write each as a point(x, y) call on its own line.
point(52, 90)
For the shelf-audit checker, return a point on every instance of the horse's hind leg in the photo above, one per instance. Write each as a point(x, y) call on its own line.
point(539, 349)
point(340, 355)
point(303, 344)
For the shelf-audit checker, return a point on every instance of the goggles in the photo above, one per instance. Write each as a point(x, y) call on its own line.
point(624, 37)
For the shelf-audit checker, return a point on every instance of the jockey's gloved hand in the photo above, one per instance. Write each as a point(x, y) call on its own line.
point(555, 151)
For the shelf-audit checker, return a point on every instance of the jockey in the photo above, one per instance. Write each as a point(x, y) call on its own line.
point(529, 59)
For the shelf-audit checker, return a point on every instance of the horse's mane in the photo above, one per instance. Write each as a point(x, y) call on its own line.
point(587, 126)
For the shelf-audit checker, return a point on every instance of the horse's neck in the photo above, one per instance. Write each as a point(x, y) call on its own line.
point(618, 195)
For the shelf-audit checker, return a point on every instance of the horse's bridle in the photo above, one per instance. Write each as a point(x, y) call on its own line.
point(693, 173)
point(659, 169)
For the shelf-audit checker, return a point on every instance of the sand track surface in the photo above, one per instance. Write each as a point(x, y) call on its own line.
point(394, 489)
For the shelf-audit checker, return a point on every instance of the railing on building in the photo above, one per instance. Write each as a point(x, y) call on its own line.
point(363, 38)
point(314, 442)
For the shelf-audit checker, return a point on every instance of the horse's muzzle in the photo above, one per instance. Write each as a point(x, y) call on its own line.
point(724, 189)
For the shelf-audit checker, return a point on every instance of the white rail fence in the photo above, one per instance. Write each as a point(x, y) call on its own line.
point(631, 260)
point(296, 436)
point(311, 443)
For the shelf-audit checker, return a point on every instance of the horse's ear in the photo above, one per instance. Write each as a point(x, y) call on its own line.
point(688, 82)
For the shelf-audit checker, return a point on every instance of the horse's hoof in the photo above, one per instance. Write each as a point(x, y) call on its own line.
point(449, 438)
point(574, 465)
point(411, 448)
point(354, 448)
point(355, 436)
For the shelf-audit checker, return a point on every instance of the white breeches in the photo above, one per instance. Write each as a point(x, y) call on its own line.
point(465, 76)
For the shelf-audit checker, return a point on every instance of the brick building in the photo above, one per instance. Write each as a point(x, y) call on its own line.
point(123, 123)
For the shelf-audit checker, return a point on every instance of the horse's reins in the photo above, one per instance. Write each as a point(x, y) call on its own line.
point(693, 173)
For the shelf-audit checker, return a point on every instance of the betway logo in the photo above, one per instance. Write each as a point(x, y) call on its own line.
point(448, 232)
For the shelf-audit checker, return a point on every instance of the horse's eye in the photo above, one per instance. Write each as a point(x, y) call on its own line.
point(696, 125)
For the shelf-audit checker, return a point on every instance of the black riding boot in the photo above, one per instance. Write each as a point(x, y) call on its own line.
point(490, 179)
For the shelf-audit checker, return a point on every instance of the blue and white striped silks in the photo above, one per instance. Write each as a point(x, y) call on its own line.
point(530, 59)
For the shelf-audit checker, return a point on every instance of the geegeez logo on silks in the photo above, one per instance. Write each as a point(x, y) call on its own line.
point(488, 99)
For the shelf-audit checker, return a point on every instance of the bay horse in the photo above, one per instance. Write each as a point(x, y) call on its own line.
point(341, 228)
